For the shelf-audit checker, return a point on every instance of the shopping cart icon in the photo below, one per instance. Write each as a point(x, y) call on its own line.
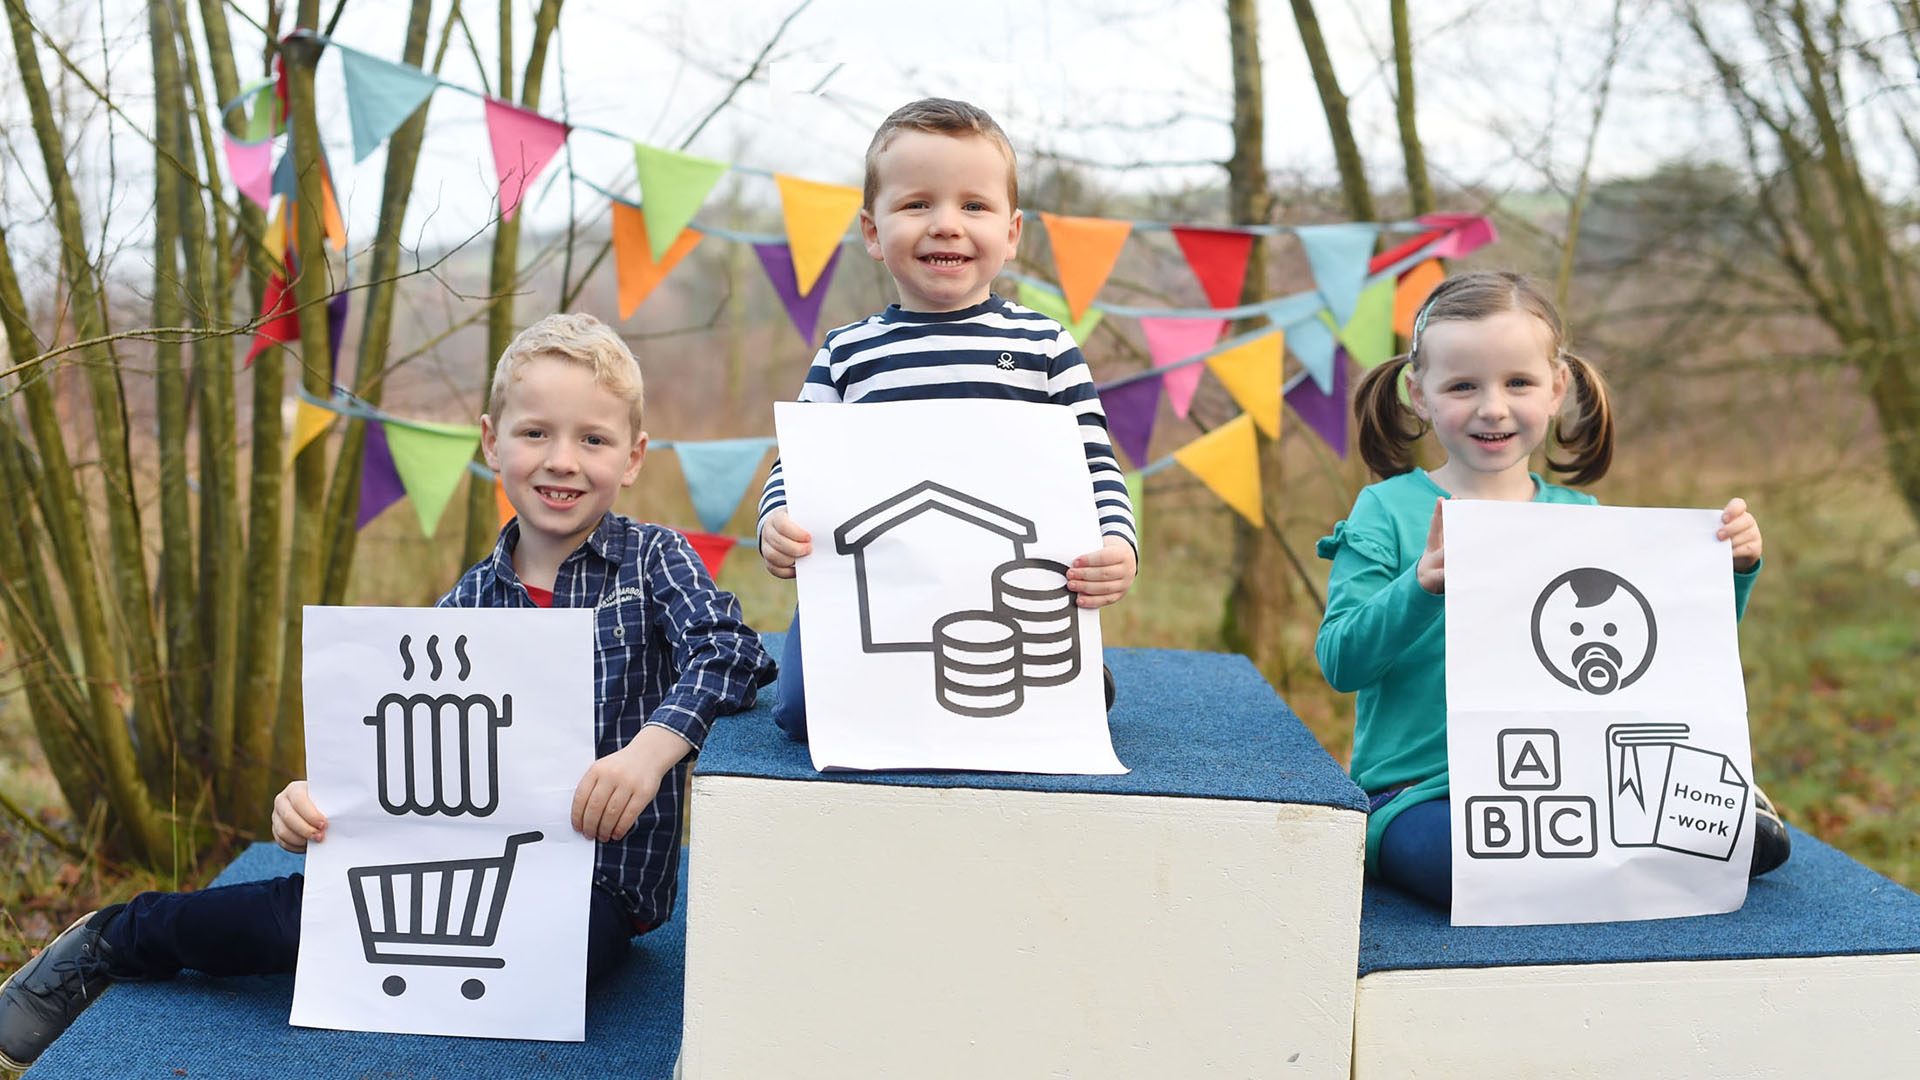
point(434, 914)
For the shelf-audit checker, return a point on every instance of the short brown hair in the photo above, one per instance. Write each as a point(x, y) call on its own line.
point(1389, 430)
point(938, 116)
point(577, 338)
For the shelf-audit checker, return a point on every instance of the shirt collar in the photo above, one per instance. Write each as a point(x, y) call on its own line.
point(606, 541)
point(897, 314)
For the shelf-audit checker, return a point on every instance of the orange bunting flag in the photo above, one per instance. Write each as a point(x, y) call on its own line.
point(633, 260)
point(1227, 460)
point(817, 217)
point(1415, 286)
point(711, 549)
point(502, 508)
point(1251, 373)
point(310, 421)
point(1084, 251)
point(336, 229)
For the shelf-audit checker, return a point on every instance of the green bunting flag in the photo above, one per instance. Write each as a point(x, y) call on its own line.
point(1368, 336)
point(431, 458)
point(672, 187)
point(1054, 306)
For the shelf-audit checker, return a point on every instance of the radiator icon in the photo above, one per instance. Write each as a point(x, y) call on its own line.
point(438, 753)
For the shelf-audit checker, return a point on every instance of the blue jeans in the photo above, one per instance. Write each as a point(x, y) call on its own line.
point(1416, 851)
point(790, 693)
point(253, 928)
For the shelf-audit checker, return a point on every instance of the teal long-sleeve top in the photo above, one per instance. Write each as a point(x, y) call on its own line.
point(1385, 637)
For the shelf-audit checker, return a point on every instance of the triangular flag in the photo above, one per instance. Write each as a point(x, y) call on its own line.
point(633, 262)
point(278, 322)
point(502, 508)
point(1311, 340)
point(431, 459)
point(1084, 251)
point(252, 167)
point(380, 485)
point(1325, 413)
point(264, 121)
point(523, 143)
point(1218, 257)
point(817, 217)
point(283, 179)
point(1403, 249)
point(1415, 286)
point(718, 472)
point(1338, 255)
point(1466, 233)
point(672, 187)
point(1170, 341)
point(711, 549)
point(1368, 336)
point(1251, 373)
point(1131, 409)
point(777, 260)
point(310, 421)
point(1227, 460)
point(275, 242)
point(330, 220)
point(1137, 495)
point(1054, 306)
point(380, 96)
point(336, 329)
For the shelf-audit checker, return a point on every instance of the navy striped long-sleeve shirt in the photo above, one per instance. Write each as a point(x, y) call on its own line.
point(994, 349)
point(669, 648)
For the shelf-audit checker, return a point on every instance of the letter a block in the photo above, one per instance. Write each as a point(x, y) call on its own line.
point(1529, 759)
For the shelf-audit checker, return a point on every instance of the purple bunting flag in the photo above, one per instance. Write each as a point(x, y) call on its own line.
point(1131, 409)
point(380, 485)
point(777, 259)
point(1325, 413)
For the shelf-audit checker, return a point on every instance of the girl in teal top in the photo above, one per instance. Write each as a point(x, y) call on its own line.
point(1488, 373)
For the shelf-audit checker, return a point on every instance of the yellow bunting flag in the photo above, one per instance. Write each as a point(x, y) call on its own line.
point(1227, 460)
point(276, 239)
point(310, 421)
point(500, 503)
point(1251, 373)
point(633, 258)
point(1084, 251)
point(817, 218)
point(1415, 286)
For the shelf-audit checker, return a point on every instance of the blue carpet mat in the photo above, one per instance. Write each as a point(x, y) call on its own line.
point(236, 1028)
point(1821, 903)
point(1189, 724)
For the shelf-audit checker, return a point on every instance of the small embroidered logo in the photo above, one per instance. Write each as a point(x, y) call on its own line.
point(1006, 361)
point(617, 595)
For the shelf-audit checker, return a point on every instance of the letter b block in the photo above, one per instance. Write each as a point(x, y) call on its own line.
point(1497, 827)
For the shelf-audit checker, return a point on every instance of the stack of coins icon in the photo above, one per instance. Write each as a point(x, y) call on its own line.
point(1033, 593)
point(976, 663)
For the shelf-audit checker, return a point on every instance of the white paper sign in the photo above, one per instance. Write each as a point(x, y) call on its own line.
point(450, 894)
point(937, 630)
point(1596, 715)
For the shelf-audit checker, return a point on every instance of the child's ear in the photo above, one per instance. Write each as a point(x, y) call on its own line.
point(635, 459)
point(490, 442)
point(1013, 233)
point(870, 232)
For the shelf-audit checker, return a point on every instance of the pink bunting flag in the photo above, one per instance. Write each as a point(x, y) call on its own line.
point(1218, 258)
point(523, 143)
point(251, 164)
point(1466, 233)
point(1131, 409)
point(1170, 341)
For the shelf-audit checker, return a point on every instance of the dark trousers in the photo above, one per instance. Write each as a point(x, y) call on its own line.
point(253, 928)
point(1416, 851)
point(790, 693)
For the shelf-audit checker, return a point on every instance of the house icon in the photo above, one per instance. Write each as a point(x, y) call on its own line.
point(971, 537)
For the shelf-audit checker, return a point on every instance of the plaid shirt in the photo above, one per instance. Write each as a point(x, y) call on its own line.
point(670, 648)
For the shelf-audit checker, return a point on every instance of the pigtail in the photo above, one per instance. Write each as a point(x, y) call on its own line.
point(1388, 429)
point(1587, 434)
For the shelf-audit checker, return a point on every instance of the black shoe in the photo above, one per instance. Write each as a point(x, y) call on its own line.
point(1771, 843)
point(41, 999)
point(1106, 678)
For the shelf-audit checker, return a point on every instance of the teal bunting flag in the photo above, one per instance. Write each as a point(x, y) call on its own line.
point(718, 473)
point(380, 97)
point(1338, 255)
point(1311, 341)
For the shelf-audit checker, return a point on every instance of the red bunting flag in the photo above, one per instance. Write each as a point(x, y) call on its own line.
point(711, 549)
point(278, 323)
point(1218, 257)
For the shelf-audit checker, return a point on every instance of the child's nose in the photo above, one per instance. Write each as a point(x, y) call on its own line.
point(560, 457)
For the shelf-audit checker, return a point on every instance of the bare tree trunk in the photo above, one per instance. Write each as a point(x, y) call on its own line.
point(1346, 152)
point(1419, 187)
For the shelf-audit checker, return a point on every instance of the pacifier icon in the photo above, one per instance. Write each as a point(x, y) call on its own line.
point(1593, 630)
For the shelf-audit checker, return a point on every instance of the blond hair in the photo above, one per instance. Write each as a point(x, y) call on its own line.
point(577, 338)
point(938, 116)
point(1389, 430)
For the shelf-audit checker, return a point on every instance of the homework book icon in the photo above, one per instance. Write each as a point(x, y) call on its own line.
point(1019, 628)
point(1665, 793)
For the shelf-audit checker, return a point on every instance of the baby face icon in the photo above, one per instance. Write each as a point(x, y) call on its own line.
point(1593, 630)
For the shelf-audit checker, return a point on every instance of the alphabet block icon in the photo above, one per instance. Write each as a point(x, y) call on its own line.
point(1529, 759)
point(1496, 827)
point(1566, 827)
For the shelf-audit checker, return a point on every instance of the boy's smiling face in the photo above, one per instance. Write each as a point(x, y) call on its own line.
point(564, 446)
point(941, 220)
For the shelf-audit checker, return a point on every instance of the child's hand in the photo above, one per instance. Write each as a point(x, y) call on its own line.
point(1431, 570)
point(617, 787)
point(1102, 577)
point(782, 542)
point(296, 820)
point(1738, 526)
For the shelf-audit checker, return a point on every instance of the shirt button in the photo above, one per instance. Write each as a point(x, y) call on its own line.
point(619, 631)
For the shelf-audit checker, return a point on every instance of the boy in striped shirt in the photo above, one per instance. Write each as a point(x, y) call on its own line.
point(941, 212)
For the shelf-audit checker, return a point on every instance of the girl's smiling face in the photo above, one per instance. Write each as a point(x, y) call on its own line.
point(1490, 387)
